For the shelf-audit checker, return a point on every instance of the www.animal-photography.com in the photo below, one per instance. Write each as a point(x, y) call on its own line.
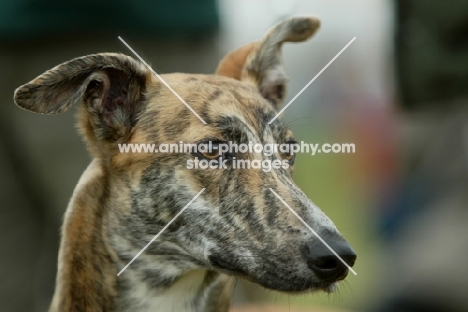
point(234, 156)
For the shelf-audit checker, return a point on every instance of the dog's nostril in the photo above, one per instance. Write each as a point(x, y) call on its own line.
point(325, 263)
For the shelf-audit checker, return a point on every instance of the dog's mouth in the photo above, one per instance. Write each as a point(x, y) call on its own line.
point(226, 266)
point(270, 279)
point(295, 287)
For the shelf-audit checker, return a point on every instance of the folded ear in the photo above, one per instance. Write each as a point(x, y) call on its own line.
point(109, 84)
point(260, 63)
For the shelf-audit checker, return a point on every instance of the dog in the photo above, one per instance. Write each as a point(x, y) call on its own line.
point(236, 228)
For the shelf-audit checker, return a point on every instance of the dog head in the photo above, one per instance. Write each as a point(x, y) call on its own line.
point(237, 225)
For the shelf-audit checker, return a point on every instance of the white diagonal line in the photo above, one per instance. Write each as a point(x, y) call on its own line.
point(312, 230)
point(163, 229)
point(162, 80)
point(310, 82)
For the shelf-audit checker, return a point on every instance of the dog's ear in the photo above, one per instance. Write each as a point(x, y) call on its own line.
point(109, 84)
point(260, 63)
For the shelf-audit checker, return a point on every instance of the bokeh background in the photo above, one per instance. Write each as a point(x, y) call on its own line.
point(399, 93)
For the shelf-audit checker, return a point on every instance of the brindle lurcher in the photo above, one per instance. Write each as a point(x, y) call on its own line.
point(236, 228)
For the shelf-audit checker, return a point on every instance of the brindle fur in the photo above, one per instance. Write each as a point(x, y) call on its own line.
point(236, 228)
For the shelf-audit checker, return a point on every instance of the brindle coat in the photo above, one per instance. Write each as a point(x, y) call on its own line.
point(236, 228)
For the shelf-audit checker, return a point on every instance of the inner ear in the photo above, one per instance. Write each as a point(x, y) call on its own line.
point(273, 85)
point(111, 103)
point(261, 63)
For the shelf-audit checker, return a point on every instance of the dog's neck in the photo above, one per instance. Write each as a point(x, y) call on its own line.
point(88, 264)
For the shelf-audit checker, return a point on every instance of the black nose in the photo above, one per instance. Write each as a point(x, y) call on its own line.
point(325, 264)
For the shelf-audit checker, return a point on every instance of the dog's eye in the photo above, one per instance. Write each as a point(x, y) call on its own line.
point(214, 153)
point(290, 156)
point(209, 150)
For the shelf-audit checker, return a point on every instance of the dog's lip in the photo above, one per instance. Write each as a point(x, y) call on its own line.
point(225, 266)
point(313, 286)
point(328, 288)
